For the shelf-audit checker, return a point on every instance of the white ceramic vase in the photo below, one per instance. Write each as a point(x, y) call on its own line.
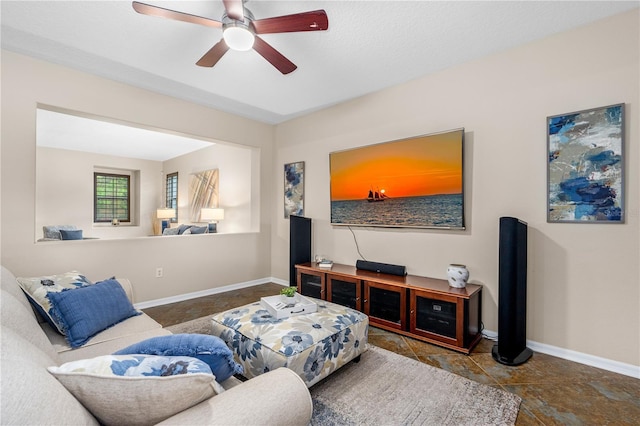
point(457, 275)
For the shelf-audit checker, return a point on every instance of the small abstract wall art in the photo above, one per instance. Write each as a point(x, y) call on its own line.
point(294, 189)
point(203, 192)
point(585, 166)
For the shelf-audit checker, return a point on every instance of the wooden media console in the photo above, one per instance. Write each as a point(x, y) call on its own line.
point(423, 308)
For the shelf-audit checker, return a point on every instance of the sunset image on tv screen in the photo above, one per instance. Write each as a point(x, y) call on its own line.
point(415, 182)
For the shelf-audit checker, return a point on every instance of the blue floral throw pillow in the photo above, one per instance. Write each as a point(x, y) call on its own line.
point(137, 389)
point(37, 290)
point(209, 349)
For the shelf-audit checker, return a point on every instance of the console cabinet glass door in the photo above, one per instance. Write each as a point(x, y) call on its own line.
point(344, 291)
point(437, 317)
point(311, 283)
point(385, 304)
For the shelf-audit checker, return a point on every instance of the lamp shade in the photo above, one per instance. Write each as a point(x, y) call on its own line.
point(165, 213)
point(211, 214)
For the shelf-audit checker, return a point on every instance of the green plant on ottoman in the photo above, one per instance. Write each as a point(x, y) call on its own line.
point(288, 294)
point(288, 291)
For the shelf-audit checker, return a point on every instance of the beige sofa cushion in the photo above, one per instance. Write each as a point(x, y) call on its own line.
point(9, 284)
point(127, 287)
point(30, 395)
point(121, 335)
point(20, 318)
point(16, 346)
point(132, 325)
point(110, 346)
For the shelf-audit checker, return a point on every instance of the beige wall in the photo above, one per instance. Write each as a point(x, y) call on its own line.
point(583, 280)
point(237, 175)
point(64, 190)
point(191, 264)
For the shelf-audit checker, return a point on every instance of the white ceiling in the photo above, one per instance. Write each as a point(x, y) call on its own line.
point(370, 45)
point(92, 134)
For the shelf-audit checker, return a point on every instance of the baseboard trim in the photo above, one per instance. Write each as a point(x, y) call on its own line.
point(208, 292)
point(582, 358)
point(579, 357)
point(279, 281)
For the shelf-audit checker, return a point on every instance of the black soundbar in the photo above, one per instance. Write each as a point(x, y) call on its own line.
point(382, 268)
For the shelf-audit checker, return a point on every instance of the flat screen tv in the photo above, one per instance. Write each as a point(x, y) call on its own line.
point(408, 183)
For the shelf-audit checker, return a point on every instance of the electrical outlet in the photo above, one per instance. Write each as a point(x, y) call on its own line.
point(159, 272)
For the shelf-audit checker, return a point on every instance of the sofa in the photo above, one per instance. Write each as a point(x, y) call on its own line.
point(31, 394)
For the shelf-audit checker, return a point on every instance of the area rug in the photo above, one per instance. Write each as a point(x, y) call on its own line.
point(200, 325)
point(385, 388)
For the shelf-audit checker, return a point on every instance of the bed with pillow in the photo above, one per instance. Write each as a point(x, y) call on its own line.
point(77, 352)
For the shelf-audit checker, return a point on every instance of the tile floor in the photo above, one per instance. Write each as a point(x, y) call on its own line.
point(554, 391)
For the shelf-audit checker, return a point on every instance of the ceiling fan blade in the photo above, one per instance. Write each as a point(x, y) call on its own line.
point(307, 21)
point(214, 54)
point(147, 9)
point(235, 9)
point(276, 58)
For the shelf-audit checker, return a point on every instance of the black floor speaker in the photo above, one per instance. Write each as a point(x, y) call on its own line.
point(299, 244)
point(383, 268)
point(511, 348)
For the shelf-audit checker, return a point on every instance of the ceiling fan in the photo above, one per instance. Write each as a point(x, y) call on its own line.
point(241, 30)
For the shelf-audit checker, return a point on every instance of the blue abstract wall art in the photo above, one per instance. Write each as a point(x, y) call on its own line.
point(294, 189)
point(585, 166)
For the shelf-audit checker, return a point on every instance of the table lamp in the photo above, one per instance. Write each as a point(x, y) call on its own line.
point(165, 215)
point(213, 216)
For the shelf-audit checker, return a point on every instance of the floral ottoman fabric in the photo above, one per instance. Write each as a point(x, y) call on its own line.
point(313, 345)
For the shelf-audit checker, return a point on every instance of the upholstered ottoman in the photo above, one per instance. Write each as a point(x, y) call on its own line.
point(313, 345)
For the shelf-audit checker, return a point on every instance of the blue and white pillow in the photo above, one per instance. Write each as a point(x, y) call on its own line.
point(137, 389)
point(37, 290)
point(134, 365)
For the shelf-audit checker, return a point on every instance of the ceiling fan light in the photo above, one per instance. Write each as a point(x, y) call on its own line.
point(238, 38)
